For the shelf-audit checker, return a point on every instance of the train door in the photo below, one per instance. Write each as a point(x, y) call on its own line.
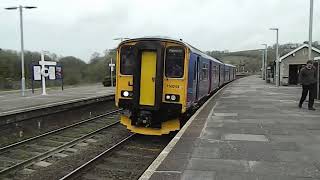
point(219, 70)
point(223, 74)
point(210, 76)
point(147, 78)
point(197, 77)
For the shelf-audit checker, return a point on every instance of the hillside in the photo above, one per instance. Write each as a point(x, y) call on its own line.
point(250, 60)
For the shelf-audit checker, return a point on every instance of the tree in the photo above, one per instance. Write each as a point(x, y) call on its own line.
point(73, 69)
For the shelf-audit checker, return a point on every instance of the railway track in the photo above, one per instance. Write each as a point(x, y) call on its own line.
point(26, 153)
point(27, 127)
point(127, 159)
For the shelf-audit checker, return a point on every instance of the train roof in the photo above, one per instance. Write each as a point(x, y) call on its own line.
point(230, 65)
point(154, 38)
point(193, 49)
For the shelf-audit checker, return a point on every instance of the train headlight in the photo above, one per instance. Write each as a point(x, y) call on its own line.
point(126, 93)
point(172, 97)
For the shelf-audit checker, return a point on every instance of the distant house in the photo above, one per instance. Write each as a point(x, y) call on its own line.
point(292, 62)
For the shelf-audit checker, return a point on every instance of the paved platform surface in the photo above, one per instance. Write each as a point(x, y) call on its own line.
point(12, 101)
point(249, 131)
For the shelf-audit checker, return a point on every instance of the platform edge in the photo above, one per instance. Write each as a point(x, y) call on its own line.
point(156, 163)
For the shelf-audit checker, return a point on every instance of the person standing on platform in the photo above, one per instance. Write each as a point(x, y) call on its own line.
point(308, 79)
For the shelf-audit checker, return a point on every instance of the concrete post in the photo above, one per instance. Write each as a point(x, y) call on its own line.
point(23, 79)
point(310, 30)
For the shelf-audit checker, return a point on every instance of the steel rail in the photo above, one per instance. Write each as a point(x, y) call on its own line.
point(56, 130)
point(74, 173)
point(54, 150)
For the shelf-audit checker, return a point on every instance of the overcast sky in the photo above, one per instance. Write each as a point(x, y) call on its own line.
point(81, 27)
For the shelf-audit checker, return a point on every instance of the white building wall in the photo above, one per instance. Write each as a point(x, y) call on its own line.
point(300, 57)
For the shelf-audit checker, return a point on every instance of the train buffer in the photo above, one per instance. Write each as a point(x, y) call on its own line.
point(248, 130)
point(14, 107)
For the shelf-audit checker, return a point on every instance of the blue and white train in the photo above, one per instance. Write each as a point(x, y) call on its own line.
point(160, 79)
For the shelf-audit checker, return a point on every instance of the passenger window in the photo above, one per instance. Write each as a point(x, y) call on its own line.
point(205, 71)
point(127, 60)
point(174, 64)
point(214, 72)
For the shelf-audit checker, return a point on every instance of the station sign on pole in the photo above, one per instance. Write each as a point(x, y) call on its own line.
point(46, 70)
point(111, 65)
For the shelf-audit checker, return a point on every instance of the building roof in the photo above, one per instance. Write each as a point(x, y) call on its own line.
point(296, 50)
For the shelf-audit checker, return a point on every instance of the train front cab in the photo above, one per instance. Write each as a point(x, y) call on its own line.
point(151, 85)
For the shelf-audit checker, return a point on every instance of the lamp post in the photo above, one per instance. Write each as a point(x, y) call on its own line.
point(310, 30)
point(277, 56)
point(318, 83)
point(265, 60)
point(262, 64)
point(23, 79)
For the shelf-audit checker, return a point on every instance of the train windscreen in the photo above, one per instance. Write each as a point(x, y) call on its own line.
point(126, 61)
point(174, 64)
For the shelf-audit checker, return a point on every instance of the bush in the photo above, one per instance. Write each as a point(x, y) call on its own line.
point(107, 81)
point(72, 80)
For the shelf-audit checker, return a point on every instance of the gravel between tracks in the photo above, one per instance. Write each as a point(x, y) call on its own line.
point(127, 161)
point(65, 165)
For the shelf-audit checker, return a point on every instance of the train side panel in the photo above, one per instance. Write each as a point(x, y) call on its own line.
point(221, 74)
point(214, 76)
point(203, 78)
point(226, 73)
point(203, 73)
point(192, 80)
point(231, 73)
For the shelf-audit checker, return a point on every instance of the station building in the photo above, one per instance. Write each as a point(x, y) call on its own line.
point(292, 62)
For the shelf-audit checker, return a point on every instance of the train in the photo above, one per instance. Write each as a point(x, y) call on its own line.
point(159, 79)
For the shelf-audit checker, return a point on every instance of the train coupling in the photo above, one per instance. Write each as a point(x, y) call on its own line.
point(144, 119)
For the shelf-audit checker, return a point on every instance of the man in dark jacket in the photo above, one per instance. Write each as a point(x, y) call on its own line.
point(308, 79)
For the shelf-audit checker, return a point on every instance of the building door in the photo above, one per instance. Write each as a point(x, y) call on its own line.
point(148, 75)
point(293, 74)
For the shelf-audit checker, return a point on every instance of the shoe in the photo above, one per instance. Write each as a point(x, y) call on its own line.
point(311, 108)
point(300, 105)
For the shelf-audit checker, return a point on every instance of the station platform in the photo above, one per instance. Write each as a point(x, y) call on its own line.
point(249, 130)
point(12, 103)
